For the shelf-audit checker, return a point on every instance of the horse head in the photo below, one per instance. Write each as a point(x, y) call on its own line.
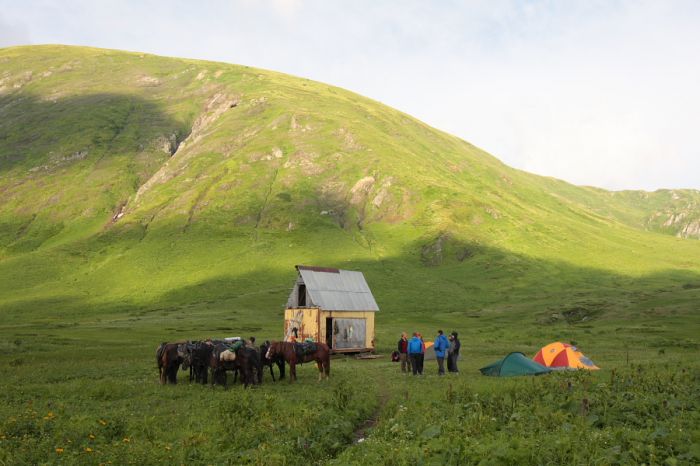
point(272, 349)
point(184, 353)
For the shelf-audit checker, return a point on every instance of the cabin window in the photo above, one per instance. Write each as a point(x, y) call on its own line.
point(302, 295)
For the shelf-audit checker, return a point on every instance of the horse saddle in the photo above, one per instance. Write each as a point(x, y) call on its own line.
point(305, 348)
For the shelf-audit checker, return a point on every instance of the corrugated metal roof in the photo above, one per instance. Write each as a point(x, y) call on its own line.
point(337, 290)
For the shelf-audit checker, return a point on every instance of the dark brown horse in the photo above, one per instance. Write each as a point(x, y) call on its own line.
point(196, 359)
point(294, 353)
point(169, 356)
point(244, 360)
point(278, 360)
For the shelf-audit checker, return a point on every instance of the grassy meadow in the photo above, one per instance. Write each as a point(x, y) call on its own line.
point(147, 199)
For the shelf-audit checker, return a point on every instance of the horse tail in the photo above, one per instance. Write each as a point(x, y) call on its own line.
point(159, 354)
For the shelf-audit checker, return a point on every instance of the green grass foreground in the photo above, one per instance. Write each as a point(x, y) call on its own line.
point(88, 393)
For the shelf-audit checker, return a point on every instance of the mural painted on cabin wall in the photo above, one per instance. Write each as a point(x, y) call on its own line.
point(349, 333)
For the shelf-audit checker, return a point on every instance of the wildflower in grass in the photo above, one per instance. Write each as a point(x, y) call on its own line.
point(126, 440)
point(88, 450)
point(103, 422)
point(59, 450)
point(91, 437)
point(167, 447)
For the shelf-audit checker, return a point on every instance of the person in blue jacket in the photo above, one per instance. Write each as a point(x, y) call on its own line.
point(415, 352)
point(441, 345)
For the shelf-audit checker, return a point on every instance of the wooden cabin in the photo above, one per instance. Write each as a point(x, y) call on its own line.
point(332, 306)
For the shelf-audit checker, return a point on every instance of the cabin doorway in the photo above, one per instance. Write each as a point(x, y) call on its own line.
point(329, 332)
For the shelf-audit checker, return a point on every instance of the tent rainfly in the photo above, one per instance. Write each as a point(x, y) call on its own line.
point(560, 355)
point(514, 364)
point(332, 306)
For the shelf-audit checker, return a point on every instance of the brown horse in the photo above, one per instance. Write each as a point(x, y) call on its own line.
point(293, 355)
point(169, 356)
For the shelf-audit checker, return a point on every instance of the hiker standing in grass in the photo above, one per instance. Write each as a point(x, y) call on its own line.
point(453, 353)
point(440, 346)
point(422, 354)
point(415, 353)
point(403, 353)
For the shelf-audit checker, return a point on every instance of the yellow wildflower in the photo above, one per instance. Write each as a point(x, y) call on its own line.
point(103, 422)
point(126, 440)
point(88, 449)
point(59, 450)
point(92, 437)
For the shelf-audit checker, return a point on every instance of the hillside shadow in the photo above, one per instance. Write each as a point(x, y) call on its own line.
point(471, 279)
point(44, 133)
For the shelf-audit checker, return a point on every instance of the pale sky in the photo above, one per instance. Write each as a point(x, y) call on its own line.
point(602, 93)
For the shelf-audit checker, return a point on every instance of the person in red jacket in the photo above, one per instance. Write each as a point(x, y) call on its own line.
point(403, 353)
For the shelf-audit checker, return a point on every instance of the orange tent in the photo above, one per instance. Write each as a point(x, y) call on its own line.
point(563, 355)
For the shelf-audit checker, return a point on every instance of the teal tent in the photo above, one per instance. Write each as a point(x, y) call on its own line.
point(515, 364)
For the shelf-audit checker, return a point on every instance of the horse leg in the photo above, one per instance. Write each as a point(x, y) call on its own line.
point(272, 373)
point(282, 367)
point(292, 372)
point(173, 374)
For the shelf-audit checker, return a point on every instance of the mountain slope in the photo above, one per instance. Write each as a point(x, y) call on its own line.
point(134, 181)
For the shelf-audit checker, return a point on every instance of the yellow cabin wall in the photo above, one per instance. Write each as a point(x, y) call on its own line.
point(313, 323)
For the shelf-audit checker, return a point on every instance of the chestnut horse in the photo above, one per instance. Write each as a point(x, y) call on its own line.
point(288, 351)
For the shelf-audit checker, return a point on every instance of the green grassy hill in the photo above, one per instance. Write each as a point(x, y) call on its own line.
point(129, 180)
point(145, 199)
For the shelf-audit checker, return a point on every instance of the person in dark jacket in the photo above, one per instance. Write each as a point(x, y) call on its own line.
point(453, 353)
point(403, 353)
point(450, 350)
point(415, 353)
point(422, 354)
point(441, 345)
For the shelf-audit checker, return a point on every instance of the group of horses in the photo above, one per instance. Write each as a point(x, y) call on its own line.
point(209, 360)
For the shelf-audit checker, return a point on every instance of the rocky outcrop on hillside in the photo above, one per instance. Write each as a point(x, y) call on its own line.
point(680, 216)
